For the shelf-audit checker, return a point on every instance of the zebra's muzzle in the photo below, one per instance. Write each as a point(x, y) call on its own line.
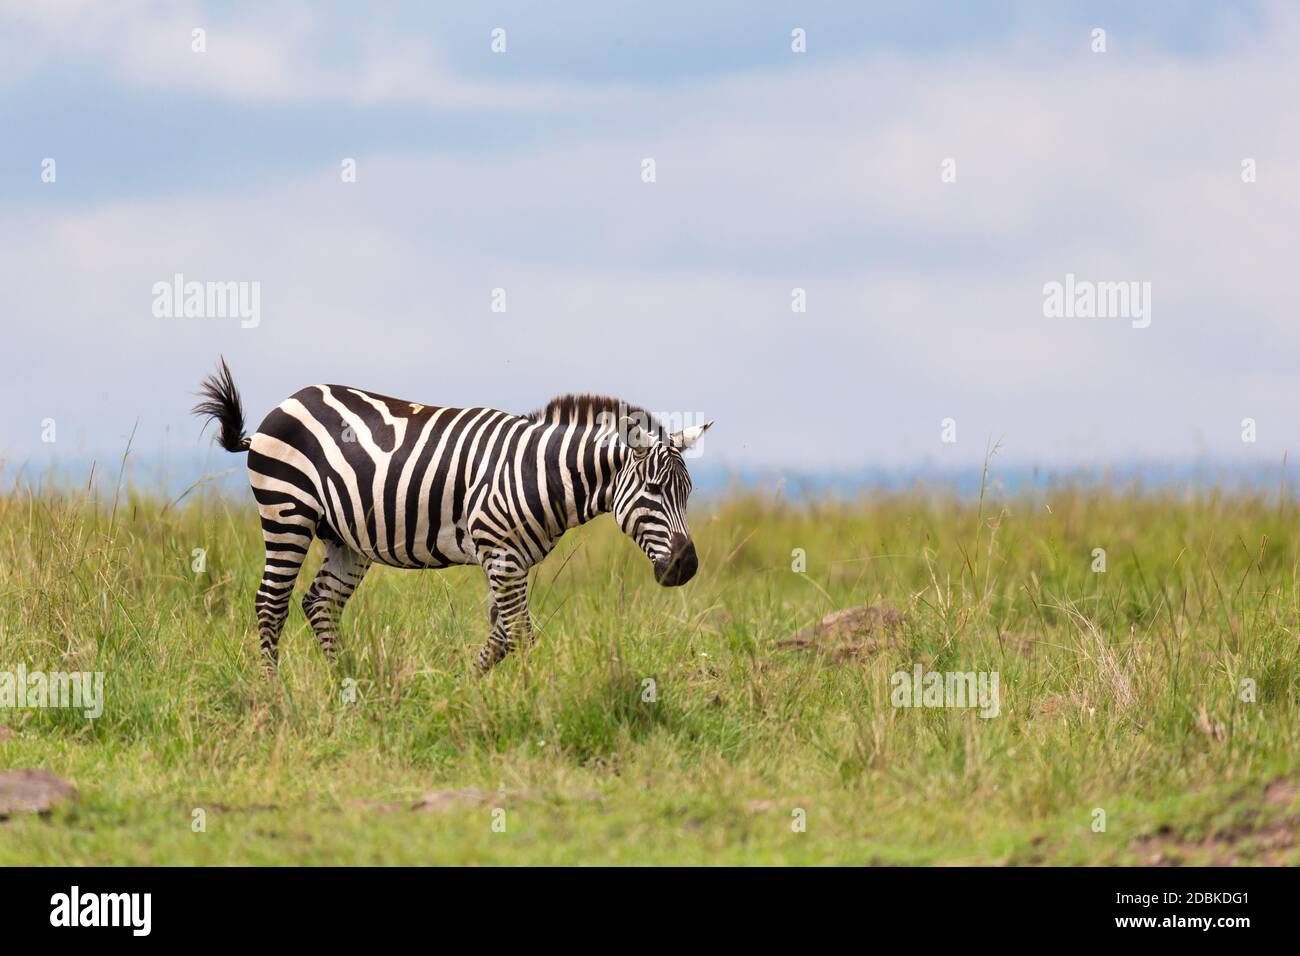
point(680, 565)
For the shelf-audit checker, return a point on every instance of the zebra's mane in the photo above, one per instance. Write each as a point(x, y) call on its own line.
point(574, 407)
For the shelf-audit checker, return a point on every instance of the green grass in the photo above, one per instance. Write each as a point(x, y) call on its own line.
point(1119, 690)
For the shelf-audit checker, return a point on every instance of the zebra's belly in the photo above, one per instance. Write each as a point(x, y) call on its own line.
point(432, 565)
point(443, 549)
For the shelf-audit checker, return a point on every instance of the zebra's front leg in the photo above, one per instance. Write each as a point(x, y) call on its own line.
point(507, 613)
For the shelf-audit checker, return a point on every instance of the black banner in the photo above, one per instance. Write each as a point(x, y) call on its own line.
point(942, 906)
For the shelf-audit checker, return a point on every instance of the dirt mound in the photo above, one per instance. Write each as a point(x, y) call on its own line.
point(32, 791)
point(850, 632)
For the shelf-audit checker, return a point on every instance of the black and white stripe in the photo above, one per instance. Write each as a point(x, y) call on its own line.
point(422, 486)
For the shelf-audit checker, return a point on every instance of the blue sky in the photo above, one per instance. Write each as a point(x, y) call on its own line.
point(775, 170)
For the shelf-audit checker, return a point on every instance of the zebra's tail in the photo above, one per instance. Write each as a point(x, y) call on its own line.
point(221, 402)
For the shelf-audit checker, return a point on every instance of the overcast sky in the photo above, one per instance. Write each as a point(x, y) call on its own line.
point(775, 170)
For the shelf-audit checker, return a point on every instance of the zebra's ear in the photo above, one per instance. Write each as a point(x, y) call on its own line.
point(688, 436)
point(636, 437)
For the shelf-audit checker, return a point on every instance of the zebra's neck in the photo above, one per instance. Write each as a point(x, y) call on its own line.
point(587, 461)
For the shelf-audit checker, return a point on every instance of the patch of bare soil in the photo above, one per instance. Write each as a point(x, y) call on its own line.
point(1271, 843)
point(848, 633)
point(1064, 705)
point(32, 791)
point(767, 806)
point(1022, 644)
point(719, 618)
point(1282, 793)
point(7, 733)
point(440, 801)
point(1213, 729)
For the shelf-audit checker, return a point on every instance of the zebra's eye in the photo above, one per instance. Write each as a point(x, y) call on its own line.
point(652, 487)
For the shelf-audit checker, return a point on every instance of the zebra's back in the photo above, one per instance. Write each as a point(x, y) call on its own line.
point(394, 480)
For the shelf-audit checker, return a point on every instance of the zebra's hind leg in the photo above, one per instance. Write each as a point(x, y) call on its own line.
point(286, 549)
point(339, 575)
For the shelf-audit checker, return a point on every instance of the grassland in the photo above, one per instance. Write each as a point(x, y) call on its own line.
point(1121, 691)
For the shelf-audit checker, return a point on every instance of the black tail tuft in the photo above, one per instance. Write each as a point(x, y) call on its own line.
point(221, 401)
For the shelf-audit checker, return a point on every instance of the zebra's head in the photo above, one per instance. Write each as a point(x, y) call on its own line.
point(650, 493)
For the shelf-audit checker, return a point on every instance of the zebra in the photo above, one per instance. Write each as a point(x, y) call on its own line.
point(409, 485)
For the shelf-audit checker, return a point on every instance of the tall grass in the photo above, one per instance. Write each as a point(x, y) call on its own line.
point(1121, 690)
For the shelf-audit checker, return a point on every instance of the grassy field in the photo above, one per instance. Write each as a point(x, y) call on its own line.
point(1127, 691)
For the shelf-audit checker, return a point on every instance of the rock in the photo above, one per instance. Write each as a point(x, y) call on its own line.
point(32, 791)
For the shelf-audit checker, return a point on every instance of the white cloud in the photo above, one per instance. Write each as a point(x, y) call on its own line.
point(272, 54)
point(925, 298)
